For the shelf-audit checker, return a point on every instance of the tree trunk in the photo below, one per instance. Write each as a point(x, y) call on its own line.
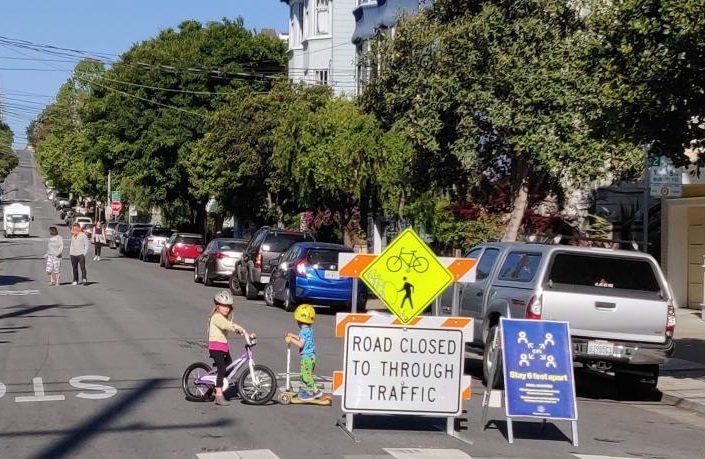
point(520, 202)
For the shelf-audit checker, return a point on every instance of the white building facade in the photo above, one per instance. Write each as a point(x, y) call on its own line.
point(320, 50)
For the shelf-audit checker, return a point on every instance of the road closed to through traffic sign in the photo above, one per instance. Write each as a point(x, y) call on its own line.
point(398, 370)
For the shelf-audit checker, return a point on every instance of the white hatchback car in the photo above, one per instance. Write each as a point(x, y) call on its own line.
point(82, 221)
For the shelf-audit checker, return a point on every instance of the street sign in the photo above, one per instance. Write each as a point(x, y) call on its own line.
point(116, 207)
point(665, 179)
point(538, 369)
point(399, 370)
point(407, 276)
point(116, 196)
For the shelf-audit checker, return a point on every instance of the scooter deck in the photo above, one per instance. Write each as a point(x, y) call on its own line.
point(324, 401)
point(291, 397)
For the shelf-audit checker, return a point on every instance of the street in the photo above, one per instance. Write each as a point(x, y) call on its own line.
point(95, 371)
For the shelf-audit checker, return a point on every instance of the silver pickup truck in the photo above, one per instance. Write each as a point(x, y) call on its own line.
point(618, 303)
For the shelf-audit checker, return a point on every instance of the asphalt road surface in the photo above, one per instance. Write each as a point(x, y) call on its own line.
point(94, 371)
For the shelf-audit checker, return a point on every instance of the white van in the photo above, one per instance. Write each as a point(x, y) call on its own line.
point(16, 220)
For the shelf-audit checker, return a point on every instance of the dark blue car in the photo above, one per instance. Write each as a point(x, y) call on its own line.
point(133, 241)
point(308, 273)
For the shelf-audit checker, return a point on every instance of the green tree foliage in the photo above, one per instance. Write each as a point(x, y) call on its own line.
point(478, 84)
point(8, 159)
point(64, 154)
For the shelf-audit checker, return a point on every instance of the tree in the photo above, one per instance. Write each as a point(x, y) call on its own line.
point(475, 85)
point(8, 159)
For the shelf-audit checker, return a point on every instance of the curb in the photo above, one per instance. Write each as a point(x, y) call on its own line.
point(679, 401)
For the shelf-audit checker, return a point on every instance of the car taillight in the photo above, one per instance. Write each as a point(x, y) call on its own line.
point(218, 255)
point(301, 268)
point(670, 320)
point(534, 308)
point(258, 260)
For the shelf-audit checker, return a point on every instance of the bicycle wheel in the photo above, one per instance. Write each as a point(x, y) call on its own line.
point(421, 265)
point(196, 392)
point(257, 394)
point(394, 264)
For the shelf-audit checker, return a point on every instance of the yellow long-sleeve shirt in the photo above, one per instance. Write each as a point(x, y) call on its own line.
point(218, 332)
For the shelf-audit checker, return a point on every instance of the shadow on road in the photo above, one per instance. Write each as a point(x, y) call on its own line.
point(74, 439)
point(13, 280)
point(27, 312)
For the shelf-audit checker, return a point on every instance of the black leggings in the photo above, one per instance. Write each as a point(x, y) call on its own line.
point(97, 246)
point(222, 360)
point(75, 261)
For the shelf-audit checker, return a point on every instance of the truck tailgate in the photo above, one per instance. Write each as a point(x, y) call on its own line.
point(634, 318)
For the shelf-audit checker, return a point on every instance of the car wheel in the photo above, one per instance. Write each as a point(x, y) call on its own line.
point(234, 285)
point(289, 304)
point(269, 295)
point(492, 362)
point(196, 279)
point(207, 281)
point(251, 291)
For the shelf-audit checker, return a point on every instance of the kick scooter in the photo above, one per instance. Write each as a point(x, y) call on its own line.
point(287, 394)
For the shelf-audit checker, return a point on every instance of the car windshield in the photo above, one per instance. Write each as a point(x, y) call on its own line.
point(324, 257)
point(18, 218)
point(122, 227)
point(189, 240)
point(604, 272)
point(234, 246)
point(281, 242)
point(159, 232)
point(111, 225)
point(139, 232)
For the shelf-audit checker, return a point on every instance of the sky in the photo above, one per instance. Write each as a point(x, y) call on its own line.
point(106, 27)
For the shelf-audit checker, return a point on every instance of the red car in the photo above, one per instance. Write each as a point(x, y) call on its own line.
point(181, 249)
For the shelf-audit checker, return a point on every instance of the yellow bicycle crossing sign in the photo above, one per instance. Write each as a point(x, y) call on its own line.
point(407, 276)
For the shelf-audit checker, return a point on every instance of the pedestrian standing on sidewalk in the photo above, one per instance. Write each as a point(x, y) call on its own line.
point(78, 251)
point(98, 239)
point(53, 255)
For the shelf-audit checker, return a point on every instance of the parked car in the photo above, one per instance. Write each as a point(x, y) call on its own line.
point(118, 234)
point(618, 303)
point(153, 242)
point(82, 221)
point(133, 240)
point(253, 270)
point(181, 249)
point(123, 236)
point(308, 273)
point(110, 228)
point(217, 262)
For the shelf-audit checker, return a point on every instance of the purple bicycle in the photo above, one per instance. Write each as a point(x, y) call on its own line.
point(256, 384)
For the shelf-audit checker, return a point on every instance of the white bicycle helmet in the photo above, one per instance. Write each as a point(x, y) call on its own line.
point(224, 297)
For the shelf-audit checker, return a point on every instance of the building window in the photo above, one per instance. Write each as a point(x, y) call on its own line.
point(322, 17)
point(297, 25)
point(321, 76)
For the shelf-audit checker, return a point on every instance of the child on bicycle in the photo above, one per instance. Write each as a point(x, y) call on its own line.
point(219, 325)
point(305, 315)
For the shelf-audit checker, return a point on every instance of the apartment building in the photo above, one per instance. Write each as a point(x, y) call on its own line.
point(320, 50)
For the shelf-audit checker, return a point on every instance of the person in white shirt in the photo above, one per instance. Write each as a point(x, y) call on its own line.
point(53, 256)
point(78, 251)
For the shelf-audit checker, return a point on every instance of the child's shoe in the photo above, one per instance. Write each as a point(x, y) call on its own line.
point(220, 401)
point(317, 394)
point(305, 395)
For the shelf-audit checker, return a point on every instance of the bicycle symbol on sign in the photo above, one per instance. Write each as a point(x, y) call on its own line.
point(407, 259)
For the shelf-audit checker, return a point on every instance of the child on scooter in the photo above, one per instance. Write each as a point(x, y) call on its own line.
point(219, 324)
point(305, 315)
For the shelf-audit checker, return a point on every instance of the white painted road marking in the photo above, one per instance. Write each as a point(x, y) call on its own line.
point(18, 292)
point(411, 453)
point(3, 389)
point(39, 394)
point(107, 391)
point(250, 454)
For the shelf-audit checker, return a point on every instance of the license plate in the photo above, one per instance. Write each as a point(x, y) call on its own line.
point(264, 279)
point(189, 260)
point(331, 275)
point(600, 348)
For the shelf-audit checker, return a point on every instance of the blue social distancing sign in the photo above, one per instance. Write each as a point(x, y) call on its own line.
point(538, 369)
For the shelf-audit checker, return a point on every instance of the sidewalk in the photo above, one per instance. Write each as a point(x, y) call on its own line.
point(682, 380)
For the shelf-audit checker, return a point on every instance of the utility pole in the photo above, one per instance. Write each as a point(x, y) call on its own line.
point(109, 202)
point(647, 195)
